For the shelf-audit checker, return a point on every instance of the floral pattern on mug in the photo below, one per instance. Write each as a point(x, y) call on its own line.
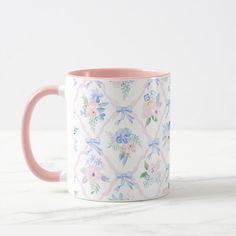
point(125, 143)
point(93, 146)
point(125, 113)
point(97, 83)
point(153, 148)
point(125, 154)
point(151, 106)
point(168, 108)
point(125, 179)
point(125, 87)
point(167, 172)
point(94, 108)
point(166, 134)
point(121, 197)
point(92, 174)
point(76, 132)
point(151, 173)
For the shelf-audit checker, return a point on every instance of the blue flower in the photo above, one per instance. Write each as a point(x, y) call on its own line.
point(101, 113)
point(104, 178)
point(75, 130)
point(96, 95)
point(101, 116)
point(146, 97)
point(82, 112)
point(123, 135)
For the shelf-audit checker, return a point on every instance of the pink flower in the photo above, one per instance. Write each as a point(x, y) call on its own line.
point(149, 109)
point(91, 111)
point(92, 173)
point(128, 148)
point(124, 148)
point(153, 170)
point(92, 102)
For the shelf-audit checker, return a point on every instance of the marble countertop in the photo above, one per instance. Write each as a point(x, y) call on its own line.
point(202, 200)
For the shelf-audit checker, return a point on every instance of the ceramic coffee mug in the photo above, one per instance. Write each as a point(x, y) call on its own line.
point(118, 134)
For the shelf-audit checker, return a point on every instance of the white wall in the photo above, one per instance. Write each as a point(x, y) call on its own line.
point(195, 40)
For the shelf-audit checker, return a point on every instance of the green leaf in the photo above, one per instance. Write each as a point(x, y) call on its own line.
point(154, 118)
point(146, 165)
point(115, 146)
point(136, 140)
point(143, 174)
point(92, 123)
point(95, 188)
point(125, 88)
point(148, 121)
point(85, 100)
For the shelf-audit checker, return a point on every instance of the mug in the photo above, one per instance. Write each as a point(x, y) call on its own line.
point(118, 130)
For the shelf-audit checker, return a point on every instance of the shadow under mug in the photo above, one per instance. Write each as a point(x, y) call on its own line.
point(118, 134)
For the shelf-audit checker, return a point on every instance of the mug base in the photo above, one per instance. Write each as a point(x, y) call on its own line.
point(75, 194)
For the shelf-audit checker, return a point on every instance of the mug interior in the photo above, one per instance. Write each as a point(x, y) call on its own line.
point(118, 73)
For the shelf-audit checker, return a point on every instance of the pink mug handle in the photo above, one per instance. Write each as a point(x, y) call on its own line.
point(37, 170)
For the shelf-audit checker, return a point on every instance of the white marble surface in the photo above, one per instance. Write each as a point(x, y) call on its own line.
point(202, 200)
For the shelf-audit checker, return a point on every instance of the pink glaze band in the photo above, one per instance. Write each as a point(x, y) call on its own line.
point(117, 73)
point(37, 170)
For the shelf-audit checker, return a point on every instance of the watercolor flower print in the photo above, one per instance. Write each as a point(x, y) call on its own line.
point(125, 143)
point(151, 173)
point(166, 134)
point(151, 102)
point(151, 106)
point(92, 174)
point(94, 108)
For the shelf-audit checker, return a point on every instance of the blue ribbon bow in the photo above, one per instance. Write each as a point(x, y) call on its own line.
point(93, 142)
point(154, 147)
point(168, 107)
point(90, 82)
point(125, 112)
point(167, 172)
point(125, 178)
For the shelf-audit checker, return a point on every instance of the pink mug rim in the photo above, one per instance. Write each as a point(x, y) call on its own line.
point(117, 73)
